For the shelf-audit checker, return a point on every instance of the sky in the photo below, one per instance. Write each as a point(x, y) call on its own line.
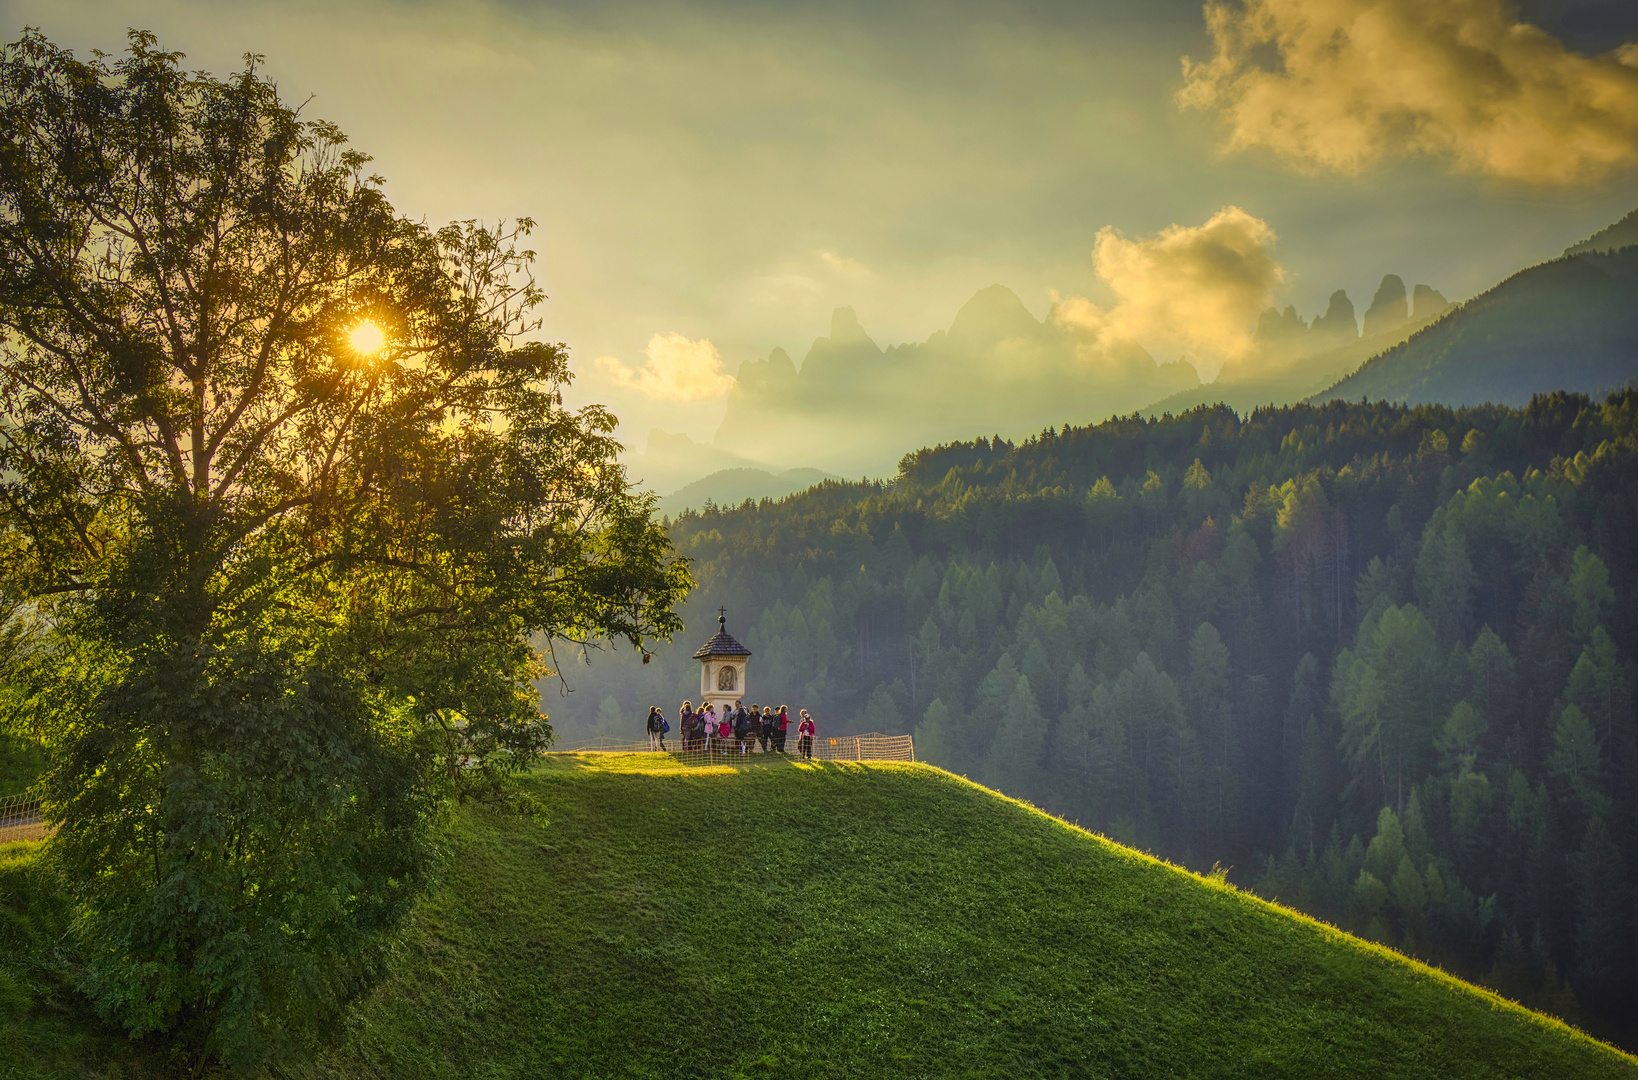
point(711, 180)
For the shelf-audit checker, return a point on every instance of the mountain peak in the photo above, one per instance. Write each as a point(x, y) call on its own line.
point(845, 328)
point(1337, 324)
point(1426, 300)
point(994, 314)
point(1388, 307)
point(776, 374)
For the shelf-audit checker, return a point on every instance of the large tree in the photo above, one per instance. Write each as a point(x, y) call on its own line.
point(293, 491)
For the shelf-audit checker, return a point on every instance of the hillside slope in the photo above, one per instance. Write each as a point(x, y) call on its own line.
point(843, 920)
point(1570, 324)
point(848, 920)
point(1286, 383)
point(1623, 233)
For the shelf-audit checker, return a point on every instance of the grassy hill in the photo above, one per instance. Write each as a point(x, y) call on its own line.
point(853, 920)
point(1570, 324)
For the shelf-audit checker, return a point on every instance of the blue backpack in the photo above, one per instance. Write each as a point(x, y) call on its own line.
point(665, 726)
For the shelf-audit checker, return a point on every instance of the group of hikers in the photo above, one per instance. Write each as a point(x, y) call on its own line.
point(736, 728)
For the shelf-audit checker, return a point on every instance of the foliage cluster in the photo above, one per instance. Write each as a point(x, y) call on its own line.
point(1276, 642)
point(271, 594)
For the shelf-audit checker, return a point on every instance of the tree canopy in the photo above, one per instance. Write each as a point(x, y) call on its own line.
point(290, 500)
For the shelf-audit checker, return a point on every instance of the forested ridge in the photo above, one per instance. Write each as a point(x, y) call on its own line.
point(1369, 657)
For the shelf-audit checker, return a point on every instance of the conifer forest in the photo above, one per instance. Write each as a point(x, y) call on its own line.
point(1366, 659)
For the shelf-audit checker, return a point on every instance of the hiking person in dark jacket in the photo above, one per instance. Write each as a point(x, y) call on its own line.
point(742, 727)
point(656, 727)
point(759, 734)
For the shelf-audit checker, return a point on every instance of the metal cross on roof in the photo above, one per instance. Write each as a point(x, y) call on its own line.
point(723, 644)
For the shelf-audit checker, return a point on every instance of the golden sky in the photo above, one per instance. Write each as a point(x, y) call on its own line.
point(712, 180)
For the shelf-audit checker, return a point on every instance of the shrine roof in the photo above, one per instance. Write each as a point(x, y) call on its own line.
point(721, 645)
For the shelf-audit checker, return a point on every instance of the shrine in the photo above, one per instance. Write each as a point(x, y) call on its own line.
point(722, 667)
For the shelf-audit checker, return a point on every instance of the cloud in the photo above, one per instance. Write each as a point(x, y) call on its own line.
point(1339, 85)
point(678, 369)
point(845, 268)
point(1191, 288)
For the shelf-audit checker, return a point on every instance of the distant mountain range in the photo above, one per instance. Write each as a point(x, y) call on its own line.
point(1295, 360)
point(670, 461)
point(730, 487)
point(1569, 324)
point(854, 407)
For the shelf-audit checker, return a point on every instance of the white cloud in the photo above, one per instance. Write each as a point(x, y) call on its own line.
point(677, 369)
point(847, 269)
point(1195, 289)
point(1339, 85)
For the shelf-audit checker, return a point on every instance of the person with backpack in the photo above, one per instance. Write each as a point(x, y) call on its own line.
point(804, 736)
point(742, 727)
point(782, 724)
point(708, 720)
point(657, 727)
point(759, 734)
point(686, 720)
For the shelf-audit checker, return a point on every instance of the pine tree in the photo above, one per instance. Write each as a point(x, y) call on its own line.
point(881, 713)
point(1387, 693)
point(1013, 762)
point(1598, 689)
point(1589, 590)
point(1604, 909)
point(1578, 763)
point(1302, 708)
point(937, 738)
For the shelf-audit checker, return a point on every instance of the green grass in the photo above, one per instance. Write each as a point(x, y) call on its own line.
point(884, 921)
point(836, 920)
point(45, 1028)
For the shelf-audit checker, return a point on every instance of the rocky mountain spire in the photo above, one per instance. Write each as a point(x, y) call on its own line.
point(1388, 307)
point(1337, 326)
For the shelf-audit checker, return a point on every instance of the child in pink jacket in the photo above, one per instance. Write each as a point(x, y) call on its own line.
point(804, 736)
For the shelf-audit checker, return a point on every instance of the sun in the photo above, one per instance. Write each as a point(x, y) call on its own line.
point(367, 338)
